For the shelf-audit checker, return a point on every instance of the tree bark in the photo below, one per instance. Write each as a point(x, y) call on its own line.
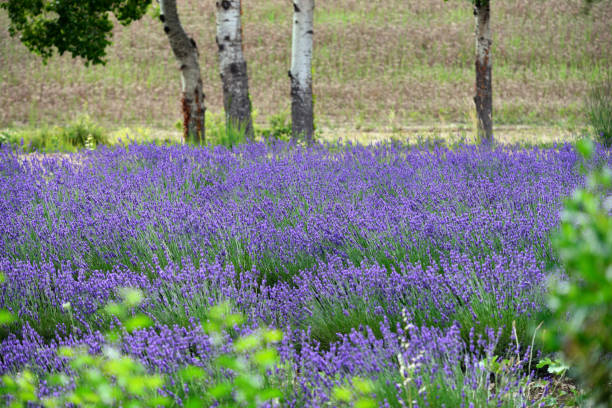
point(233, 66)
point(483, 97)
point(186, 53)
point(302, 115)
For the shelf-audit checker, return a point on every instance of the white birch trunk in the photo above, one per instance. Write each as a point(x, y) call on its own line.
point(186, 53)
point(233, 67)
point(302, 115)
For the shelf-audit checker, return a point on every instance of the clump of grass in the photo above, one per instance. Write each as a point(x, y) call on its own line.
point(333, 317)
point(279, 127)
point(81, 133)
point(599, 109)
point(222, 132)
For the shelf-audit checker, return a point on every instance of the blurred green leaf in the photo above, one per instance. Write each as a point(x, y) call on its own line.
point(585, 148)
point(273, 336)
point(221, 390)
point(343, 394)
point(6, 317)
point(266, 358)
point(226, 361)
point(191, 373)
point(115, 309)
point(365, 403)
point(247, 343)
point(131, 297)
point(269, 393)
point(363, 386)
point(138, 322)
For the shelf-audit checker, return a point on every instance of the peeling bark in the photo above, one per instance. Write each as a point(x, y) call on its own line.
point(233, 67)
point(302, 115)
point(186, 53)
point(483, 97)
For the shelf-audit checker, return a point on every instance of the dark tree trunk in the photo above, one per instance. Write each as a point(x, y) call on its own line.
point(302, 115)
point(186, 53)
point(233, 66)
point(483, 97)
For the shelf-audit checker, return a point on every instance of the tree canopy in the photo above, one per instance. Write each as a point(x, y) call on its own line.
point(81, 27)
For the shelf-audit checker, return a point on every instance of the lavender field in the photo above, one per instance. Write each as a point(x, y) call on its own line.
point(405, 266)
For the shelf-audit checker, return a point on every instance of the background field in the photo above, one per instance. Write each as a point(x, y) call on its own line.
point(385, 66)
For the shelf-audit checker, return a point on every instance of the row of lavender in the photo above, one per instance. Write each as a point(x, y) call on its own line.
point(315, 241)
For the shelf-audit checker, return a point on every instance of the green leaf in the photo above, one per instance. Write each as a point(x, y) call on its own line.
point(544, 362)
point(138, 322)
point(266, 358)
point(191, 373)
point(6, 317)
point(115, 309)
point(364, 386)
point(365, 403)
point(247, 343)
point(585, 148)
point(269, 393)
point(343, 394)
point(248, 383)
point(221, 390)
point(131, 297)
point(58, 380)
point(218, 312)
point(273, 336)
point(234, 320)
point(226, 361)
point(211, 327)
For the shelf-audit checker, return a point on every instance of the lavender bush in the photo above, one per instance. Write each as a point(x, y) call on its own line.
point(419, 270)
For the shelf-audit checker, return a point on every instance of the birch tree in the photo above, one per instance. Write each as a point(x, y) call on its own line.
point(233, 67)
point(186, 53)
point(483, 97)
point(302, 116)
point(483, 89)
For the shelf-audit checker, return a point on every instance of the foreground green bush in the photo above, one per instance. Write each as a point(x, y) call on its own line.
point(114, 379)
point(582, 303)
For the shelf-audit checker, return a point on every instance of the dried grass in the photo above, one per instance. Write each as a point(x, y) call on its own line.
point(374, 60)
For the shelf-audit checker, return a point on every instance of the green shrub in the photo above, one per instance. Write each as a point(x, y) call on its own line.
point(599, 109)
point(582, 302)
point(114, 379)
point(279, 127)
point(81, 133)
point(355, 393)
point(222, 132)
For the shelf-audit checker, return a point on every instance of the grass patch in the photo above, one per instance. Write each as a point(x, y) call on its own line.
point(81, 133)
point(599, 109)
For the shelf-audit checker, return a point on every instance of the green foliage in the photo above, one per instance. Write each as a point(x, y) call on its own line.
point(279, 127)
point(555, 367)
point(355, 393)
point(254, 354)
point(82, 28)
point(222, 132)
point(114, 379)
point(81, 133)
point(5, 316)
point(599, 109)
point(107, 380)
point(582, 303)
